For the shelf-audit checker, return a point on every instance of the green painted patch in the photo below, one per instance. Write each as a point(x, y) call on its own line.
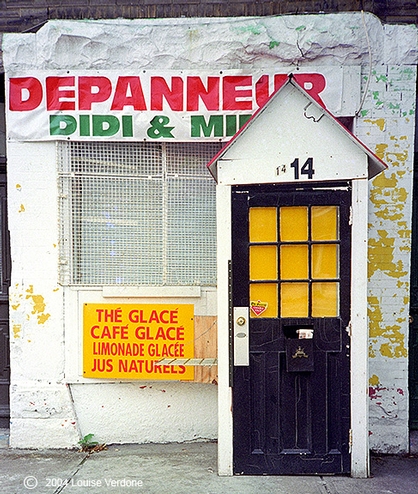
point(256, 30)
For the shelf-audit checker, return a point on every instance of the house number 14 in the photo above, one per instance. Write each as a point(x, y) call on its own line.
point(306, 169)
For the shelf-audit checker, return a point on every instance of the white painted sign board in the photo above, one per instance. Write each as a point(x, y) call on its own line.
point(293, 139)
point(167, 105)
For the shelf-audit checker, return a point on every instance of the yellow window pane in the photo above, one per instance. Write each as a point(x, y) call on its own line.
point(263, 262)
point(293, 223)
point(264, 293)
point(294, 300)
point(325, 300)
point(324, 223)
point(293, 262)
point(325, 261)
point(263, 224)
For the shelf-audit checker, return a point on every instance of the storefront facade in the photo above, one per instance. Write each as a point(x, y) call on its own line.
point(112, 212)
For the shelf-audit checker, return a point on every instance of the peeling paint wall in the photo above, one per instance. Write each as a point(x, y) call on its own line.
point(39, 307)
point(387, 125)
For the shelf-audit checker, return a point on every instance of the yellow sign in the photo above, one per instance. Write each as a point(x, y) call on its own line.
point(126, 341)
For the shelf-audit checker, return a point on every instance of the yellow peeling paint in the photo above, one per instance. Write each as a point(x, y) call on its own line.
point(380, 122)
point(375, 317)
point(21, 209)
point(401, 194)
point(16, 330)
point(403, 156)
point(391, 351)
point(405, 248)
point(42, 318)
point(392, 157)
point(394, 346)
point(374, 380)
point(403, 231)
point(15, 306)
point(38, 305)
point(380, 150)
point(386, 214)
point(388, 198)
point(382, 180)
point(381, 256)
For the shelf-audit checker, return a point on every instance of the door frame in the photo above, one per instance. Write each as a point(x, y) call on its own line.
point(4, 301)
point(360, 461)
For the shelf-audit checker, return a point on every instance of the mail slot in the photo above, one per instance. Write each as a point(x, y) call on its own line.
point(299, 349)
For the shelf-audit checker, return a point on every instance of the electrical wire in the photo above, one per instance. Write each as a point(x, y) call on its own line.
point(370, 64)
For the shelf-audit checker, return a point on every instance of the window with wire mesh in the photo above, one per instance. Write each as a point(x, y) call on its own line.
point(137, 213)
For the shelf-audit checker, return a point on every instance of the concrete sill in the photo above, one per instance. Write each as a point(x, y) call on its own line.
point(151, 291)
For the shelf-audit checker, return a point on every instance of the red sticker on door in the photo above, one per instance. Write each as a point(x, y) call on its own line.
point(258, 307)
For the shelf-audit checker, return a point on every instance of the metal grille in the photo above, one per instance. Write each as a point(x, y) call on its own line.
point(137, 214)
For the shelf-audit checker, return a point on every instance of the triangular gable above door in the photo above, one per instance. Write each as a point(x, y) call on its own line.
point(292, 138)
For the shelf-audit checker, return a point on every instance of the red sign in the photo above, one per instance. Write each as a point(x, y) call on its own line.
point(258, 307)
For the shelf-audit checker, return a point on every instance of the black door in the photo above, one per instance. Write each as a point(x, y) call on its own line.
point(291, 267)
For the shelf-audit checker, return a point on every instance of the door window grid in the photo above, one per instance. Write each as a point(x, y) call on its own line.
point(294, 259)
point(137, 214)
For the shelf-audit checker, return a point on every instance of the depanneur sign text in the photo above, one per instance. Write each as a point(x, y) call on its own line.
point(128, 341)
point(152, 106)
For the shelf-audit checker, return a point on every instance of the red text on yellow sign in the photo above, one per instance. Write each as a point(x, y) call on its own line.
point(126, 341)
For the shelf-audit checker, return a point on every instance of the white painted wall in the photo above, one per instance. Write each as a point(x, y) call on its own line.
point(127, 412)
point(45, 384)
point(38, 389)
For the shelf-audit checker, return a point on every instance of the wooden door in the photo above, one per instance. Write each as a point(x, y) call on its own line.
point(291, 267)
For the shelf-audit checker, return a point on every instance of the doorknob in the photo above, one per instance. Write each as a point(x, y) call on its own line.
point(241, 336)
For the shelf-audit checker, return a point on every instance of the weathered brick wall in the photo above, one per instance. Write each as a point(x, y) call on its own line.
point(23, 15)
point(385, 124)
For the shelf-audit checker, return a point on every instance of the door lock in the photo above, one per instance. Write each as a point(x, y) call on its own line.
point(241, 336)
